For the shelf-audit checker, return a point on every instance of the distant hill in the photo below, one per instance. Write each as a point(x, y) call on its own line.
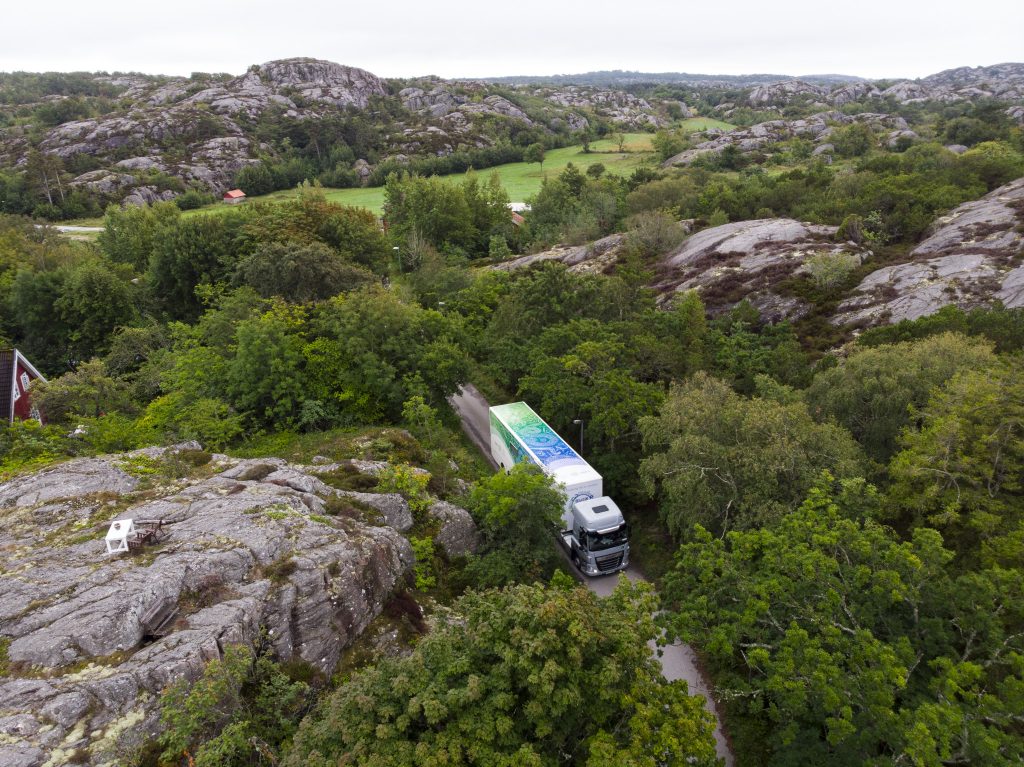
point(618, 77)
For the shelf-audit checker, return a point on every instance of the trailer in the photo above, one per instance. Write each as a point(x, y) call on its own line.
point(594, 531)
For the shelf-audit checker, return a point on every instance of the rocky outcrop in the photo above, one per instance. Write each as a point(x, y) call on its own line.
point(971, 257)
point(817, 128)
point(746, 260)
point(592, 257)
point(1002, 81)
point(624, 109)
point(322, 81)
point(248, 546)
point(783, 93)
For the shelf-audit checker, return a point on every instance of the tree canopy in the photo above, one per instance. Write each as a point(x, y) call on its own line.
point(530, 675)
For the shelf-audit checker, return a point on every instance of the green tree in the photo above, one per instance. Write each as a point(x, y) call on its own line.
point(198, 251)
point(95, 300)
point(370, 352)
point(266, 378)
point(853, 140)
point(839, 644)
point(517, 513)
point(87, 391)
point(994, 162)
point(962, 471)
point(428, 208)
point(530, 675)
point(668, 144)
point(300, 273)
point(872, 390)
point(726, 462)
point(130, 235)
point(741, 347)
point(45, 334)
point(534, 153)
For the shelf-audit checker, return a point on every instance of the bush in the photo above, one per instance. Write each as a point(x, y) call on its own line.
point(423, 550)
point(407, 482)
point(830, 269)
point(653, 233)
point(242, 709)
point(193, 199)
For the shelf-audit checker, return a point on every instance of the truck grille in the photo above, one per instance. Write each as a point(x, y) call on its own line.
point(607, 564)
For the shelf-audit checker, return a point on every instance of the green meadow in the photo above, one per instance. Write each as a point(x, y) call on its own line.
point(522, 180)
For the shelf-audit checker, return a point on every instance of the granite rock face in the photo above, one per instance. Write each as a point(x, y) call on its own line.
point(624, 109)
point(746, 260)
point(592, 257)
point(1004, 82)
point(816, 128)
point(971, 256)
point(248, 547)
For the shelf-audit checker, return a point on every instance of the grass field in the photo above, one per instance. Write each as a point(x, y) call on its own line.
point(704, 123)
point(521, 180)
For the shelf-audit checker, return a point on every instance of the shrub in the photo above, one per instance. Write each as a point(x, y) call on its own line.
point(423, 549)
point(407, 482)
point(653, 232)
point(242, 709)
point(830, 269)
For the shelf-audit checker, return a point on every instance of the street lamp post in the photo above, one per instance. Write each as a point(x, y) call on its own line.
point(580, 422)
point(398, 260)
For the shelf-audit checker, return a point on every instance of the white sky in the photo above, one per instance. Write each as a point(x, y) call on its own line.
point(453, 38)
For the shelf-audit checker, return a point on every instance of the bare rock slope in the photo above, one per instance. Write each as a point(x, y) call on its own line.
point(89, 640)
point(972, 256)
point(746, 260)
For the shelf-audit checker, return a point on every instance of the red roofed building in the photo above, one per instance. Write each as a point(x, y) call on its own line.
point(234, 197)
point(16, 374)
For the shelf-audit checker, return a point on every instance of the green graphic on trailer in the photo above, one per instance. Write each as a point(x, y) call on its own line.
point(510, 443)
point(547, 447)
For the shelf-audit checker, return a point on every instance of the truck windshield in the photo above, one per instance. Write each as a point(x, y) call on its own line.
point(601, 541)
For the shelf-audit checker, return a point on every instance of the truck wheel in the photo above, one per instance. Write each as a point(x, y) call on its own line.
point(576, 560)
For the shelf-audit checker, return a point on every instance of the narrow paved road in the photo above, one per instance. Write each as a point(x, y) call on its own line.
point(678, 661)
point(70, 228)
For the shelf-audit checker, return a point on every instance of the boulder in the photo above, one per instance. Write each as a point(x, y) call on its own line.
point(244, 547)
point(898, 138)
point(458, 535)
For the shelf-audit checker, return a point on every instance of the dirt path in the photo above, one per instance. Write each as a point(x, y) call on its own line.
point(678, 661)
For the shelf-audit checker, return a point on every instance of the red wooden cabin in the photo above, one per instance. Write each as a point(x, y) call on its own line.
point(16, 374)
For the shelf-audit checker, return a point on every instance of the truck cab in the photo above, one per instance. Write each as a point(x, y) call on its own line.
point(598, 539)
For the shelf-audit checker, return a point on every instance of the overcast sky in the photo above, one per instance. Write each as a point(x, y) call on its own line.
point(454, 38)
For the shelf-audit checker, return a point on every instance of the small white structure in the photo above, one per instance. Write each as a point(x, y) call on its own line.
point(117, 535)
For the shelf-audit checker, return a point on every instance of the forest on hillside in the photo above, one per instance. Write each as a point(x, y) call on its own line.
point(833, 516)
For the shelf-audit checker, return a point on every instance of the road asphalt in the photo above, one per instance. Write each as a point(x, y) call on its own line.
point(678, 661)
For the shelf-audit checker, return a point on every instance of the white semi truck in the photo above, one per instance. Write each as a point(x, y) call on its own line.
point(594, 531)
